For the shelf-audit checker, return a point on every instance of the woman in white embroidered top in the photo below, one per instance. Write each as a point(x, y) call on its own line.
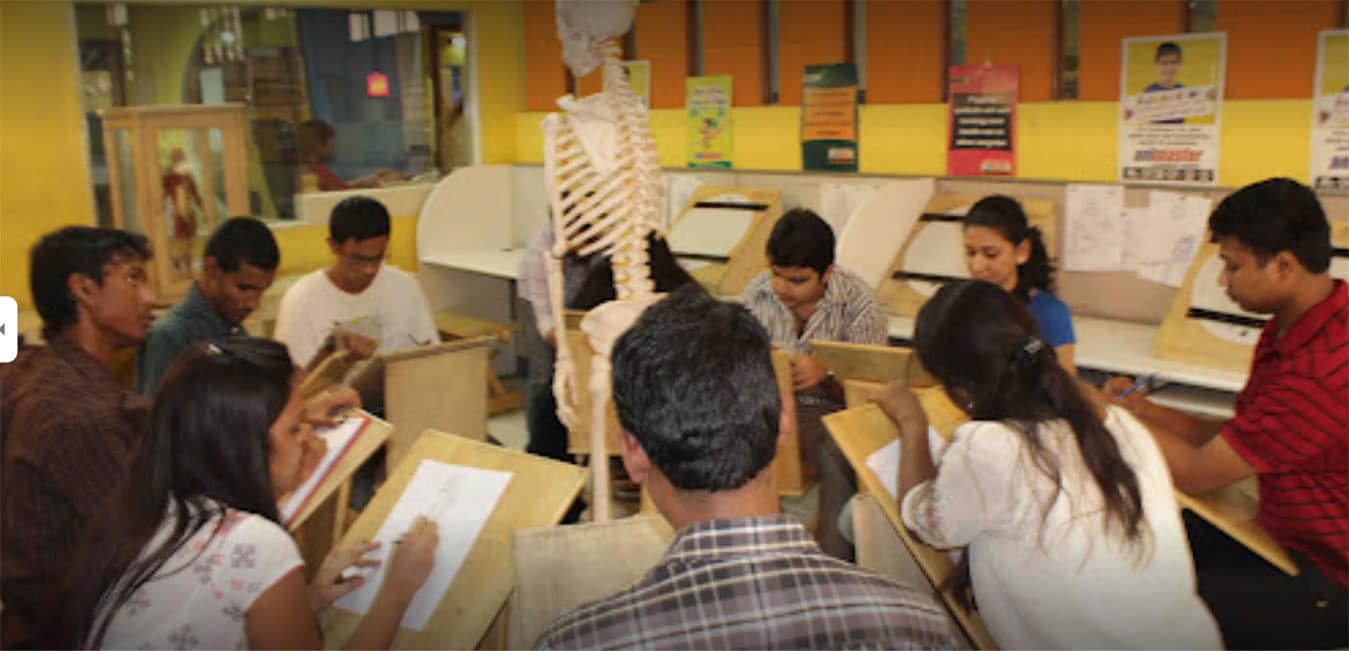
point(190, 554)
point(1074, 538)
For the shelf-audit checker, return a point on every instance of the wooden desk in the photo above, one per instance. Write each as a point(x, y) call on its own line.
point(859, 432)
point(1233, 510)
point(538, 495)
point(560, 568)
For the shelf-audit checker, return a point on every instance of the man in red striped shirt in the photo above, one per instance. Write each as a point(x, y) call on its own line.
point(1291, 429)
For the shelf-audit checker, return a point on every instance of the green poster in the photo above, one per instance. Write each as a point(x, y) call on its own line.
point(829, 118)
point(709, 121)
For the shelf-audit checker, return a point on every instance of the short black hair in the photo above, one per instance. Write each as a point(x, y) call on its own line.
point(1169, 47)
point(359, 218)
point(243, 240)
point(83, 250)
point(1274, 215)
point(801, 239)
point(694, 384)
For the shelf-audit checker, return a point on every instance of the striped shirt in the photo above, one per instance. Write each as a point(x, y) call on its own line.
point(754, 583)
point(1292, 427)
point(847, 312)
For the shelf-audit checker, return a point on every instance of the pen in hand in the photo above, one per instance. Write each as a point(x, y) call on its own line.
point(1142, 382)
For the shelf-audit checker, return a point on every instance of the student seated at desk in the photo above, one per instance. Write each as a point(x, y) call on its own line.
point(698, 401)
point(805, 296)
point(1291, 428)
point(240, 260)
point(190, 552)
point(1073, 533)
point(1001, 247)
point(359, 302)
point(69, 429)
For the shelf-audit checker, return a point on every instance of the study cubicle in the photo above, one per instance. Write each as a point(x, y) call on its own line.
point(476, 223)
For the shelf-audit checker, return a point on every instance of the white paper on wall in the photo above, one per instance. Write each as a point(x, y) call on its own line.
point(1171, 237)
point(1094, 227)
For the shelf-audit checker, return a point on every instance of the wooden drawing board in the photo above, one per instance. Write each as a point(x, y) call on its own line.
point(848, 361)
point(369, 441)
point(367, 376)
point(745, 258)
point(934, 253)
point(321, 523)
point(560, 568)
point(1206, 328)
point(859, 432)
point(795, 474)
point(1234, 509)
point(330, 372)
point(538, 495)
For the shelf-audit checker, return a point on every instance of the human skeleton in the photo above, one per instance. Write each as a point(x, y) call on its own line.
point(604, 187)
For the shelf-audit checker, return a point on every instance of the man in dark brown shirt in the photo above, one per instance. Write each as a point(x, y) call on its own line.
point(67, 428)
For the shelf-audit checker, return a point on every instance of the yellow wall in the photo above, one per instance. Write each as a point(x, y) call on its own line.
point(1062, 141)
point(44, 167)
point(44, 171)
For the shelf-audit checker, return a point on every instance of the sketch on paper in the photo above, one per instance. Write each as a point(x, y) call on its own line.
point(459, 499)
point(1094, 227)
point(1171, 236)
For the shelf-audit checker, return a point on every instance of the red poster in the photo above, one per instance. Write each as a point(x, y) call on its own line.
point(982, 122)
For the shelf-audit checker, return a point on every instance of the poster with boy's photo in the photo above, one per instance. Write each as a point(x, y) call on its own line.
point(1171, 90)
point(1330, 112)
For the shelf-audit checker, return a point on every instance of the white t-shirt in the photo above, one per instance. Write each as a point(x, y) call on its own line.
point(1068, 585)
point(198, 598)
point(393, 303)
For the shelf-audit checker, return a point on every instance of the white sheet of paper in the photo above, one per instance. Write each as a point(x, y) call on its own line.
point(1172, 235)
point(709, 231)
point(459, 500)
point(884, 463)
point(1094, 227)
point(338, 439)
point(1131, 256)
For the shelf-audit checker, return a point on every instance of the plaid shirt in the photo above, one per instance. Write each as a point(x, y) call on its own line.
point(69, 432)
point(847, 312)
point(1292, 427)
point(754, 583)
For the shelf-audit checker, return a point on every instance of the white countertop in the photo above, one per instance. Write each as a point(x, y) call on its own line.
point(1124, 348)
point(499, 263)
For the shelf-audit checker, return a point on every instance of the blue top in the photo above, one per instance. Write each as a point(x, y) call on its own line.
point(1056, 322)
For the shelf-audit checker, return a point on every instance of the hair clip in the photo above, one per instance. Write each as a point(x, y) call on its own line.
point(1033, 346)
point(212, 349)
point(1028, 353)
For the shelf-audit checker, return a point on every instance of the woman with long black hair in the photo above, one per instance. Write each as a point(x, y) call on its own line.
point(1073, 533)
point(190, 553)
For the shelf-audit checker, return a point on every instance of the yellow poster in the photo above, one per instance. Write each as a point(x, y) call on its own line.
point(709, 121)
point(1330, 112)
point(1171, 90)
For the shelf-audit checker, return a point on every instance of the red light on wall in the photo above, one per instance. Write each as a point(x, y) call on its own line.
point(377, 84)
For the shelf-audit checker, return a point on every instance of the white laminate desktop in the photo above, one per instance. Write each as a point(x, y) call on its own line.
point(498, 263)
point(1123, 347)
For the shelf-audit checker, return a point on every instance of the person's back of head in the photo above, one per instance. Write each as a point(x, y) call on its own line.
point(358, 218)
point(312, 138)
point(208, 440)
point(243, 241)
point(75, 250)
point(801, 238)
point(984, 346)
point(694, 385)
point(1276, 215)
point(1005, 215)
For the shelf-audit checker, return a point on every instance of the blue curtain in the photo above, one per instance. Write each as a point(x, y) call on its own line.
point(369, 129)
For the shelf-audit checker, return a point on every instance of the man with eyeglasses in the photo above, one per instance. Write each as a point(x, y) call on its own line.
point(69, 429)
point(358, 304)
